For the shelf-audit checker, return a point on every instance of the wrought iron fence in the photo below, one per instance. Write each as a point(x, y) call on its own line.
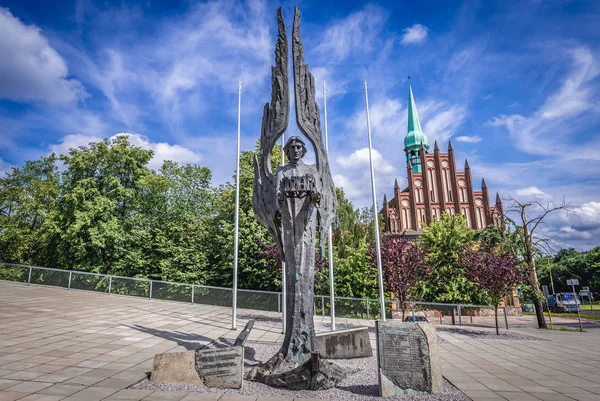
point(360, 308)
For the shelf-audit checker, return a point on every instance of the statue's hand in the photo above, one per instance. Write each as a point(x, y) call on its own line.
point(280, 197)
point(316, 196)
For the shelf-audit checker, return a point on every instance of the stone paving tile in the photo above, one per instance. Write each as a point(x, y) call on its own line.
point(42, 397)
point(584, 397)
point(84, 380)
point(553, 397)
point(6, 372)
point(11, 395)
point(201, 397)
point(92, 394)
point(6, 383)
point(116, 383)
point(127, 394)
point(28, 387)
point(229, 397)
point(165, 396)
point(479, 395)
point(63, 390)
point(24, 375)
point(518, 396)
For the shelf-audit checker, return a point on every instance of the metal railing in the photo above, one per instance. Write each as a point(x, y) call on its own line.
point(454, 310)
point(345, 307)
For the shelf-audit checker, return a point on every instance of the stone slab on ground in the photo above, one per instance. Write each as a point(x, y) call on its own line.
point(221, 367)
point(175, 367)
point(408, 358)
point(241, 339)
point(345, 344)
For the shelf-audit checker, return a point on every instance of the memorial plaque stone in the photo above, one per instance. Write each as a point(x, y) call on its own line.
point(408, 359)
point(221, 367)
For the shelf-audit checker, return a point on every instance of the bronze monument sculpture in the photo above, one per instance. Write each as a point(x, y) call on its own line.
point(296, 197)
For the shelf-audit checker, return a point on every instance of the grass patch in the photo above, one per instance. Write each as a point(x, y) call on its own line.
point(573, 315)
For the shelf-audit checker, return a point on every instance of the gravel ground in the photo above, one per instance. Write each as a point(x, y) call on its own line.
point(361, 384)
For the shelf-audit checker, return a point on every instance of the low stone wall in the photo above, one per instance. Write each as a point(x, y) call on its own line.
point(434, 313)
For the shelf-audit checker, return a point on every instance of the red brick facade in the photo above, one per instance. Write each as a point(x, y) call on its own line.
point(437, 188)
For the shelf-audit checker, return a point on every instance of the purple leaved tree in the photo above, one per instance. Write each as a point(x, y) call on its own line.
point(495, 272)
point(403, 265)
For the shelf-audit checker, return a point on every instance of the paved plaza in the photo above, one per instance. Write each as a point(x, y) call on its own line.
point(83, 346)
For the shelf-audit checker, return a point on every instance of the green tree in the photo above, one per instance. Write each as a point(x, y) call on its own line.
point(253, 267)
point(28, 208)
point(442, 241)
point(101, 195)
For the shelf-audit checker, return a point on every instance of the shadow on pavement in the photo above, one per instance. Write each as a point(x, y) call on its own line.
point(191, 342)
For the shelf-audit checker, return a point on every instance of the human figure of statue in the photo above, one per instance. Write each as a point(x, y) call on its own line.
point(298, 197)
point(295, 199)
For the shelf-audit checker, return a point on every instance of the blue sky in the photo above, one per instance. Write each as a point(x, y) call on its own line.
point(514, 85)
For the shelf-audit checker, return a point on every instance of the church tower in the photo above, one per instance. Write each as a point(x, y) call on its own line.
point(435, 186)
point(415, 138)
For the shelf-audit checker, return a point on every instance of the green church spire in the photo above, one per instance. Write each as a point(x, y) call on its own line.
point(413, 116)
point(415, 136)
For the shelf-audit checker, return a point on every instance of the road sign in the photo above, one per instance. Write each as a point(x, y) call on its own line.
point(573, 281)
point(545, 291)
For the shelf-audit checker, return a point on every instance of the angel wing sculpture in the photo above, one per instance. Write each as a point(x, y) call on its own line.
point(300, 195)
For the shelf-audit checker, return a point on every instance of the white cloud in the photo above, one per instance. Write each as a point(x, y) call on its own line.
point(162, 150)
point(356, 32)
point(182, 66)
point(4, 168)
point(351, 187)
point(531, 192)
point(335, 86)
point(546, 131)
point(468, 139)
point(441, 119)
point(31, 69)
point(73, 141)
point(415, 34)
point(359, 159)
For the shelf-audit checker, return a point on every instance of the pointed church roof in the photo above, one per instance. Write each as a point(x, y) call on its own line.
point(415, 135)
point(396, 186)
point(483, 183)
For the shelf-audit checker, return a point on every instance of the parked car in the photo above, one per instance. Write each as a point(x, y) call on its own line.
point(527, 308)
point(416, 319)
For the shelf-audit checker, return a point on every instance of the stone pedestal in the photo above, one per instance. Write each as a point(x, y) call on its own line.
point(408, 359)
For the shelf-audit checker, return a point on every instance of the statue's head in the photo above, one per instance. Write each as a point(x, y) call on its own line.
point(295, 149)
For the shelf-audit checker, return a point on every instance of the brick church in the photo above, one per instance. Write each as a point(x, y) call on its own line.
point(435, 185)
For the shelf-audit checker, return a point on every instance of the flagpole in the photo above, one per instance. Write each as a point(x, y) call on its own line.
point(375, 214)
point(237, 215)
point(283, 280)
point(331, 283)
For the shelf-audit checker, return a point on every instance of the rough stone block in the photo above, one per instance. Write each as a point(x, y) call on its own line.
point(176, 367)
point(345, 344)
point(408, 358)
point(221, 367)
